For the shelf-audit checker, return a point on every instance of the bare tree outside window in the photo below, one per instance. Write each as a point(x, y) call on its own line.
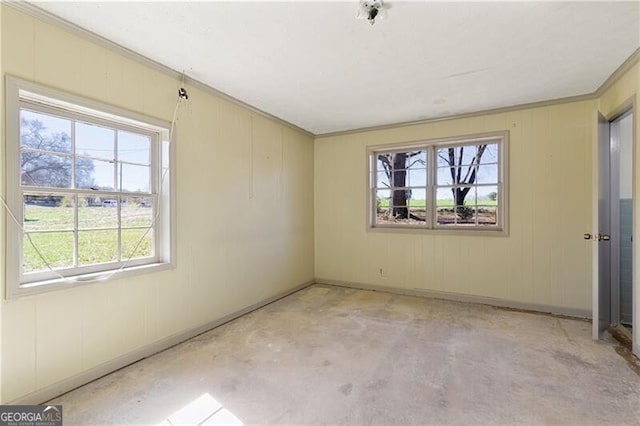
point(462, 175)
point(469, 173)
point(45, 157)
point(439, 185)
point(72, 168)
point(405, 177)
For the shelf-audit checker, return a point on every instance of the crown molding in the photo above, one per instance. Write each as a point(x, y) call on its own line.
point(42, 15)
point(618, 73)
point(501, 110)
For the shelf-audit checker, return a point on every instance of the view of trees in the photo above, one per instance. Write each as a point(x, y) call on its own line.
point(462, 174)
point(82, 160)
point(458, 168)
point(395, 167)
point(40, 164)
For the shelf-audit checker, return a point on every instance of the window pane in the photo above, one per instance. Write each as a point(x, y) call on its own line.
point(418, 213)
point(401, 216)
point(443, 176)
point(487, 215)
point(399, 178)
point(137, 211)
point(444, 197)
point(38, 169)
point(490, 154)
point(444, 206)
point(465, 196)
point(416, 177)
point(487, 173)
point(400, 197)
point(467, 174)
point(459, 155)
point(55, 247)
point(383, 180)
point(417, 160)
point(44, 132)
point(383, 198)
point(384, 161)
point(460, 215)
point(465, 215)
point(417, 196)
point(405, 207)
point(97, 247)
point(134, 237)
point(445, 216)
point(401, 169)
point(135, 178)
point(450, 156)
point(383, 194)
point(48, 212)
point(97, 212)
point(95, 141)
point(472, 153)
point(94, 174)
point(442, 156)
point(134, 148)
point(488, 195)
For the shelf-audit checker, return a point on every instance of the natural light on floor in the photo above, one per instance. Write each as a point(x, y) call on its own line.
point(204, 410)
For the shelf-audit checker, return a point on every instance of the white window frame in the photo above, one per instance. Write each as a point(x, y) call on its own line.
point(21, 94)
point(430, 146)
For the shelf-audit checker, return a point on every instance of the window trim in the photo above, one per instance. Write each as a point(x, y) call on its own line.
point(20, 93)
point(502, 229)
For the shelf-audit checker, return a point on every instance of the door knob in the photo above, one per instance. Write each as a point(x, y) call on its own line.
point(587, 236)
point(604, 237)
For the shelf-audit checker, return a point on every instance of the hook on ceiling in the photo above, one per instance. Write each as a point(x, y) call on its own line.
point(371, 10)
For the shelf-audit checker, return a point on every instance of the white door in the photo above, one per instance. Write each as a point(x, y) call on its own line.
point(602, 246)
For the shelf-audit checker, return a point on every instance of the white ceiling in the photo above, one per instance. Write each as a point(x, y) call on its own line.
point(314, 65)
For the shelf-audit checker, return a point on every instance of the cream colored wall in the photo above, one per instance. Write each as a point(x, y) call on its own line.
point(616, 96)
point(544, 260)
point(244, 216)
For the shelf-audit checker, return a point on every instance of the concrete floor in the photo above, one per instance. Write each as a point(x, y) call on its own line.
point(330, 355)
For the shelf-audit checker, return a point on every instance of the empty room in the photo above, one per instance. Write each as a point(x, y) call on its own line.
point(319, 212)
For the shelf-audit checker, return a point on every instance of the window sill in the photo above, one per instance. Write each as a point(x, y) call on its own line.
point(460, 232)
point(45, 286)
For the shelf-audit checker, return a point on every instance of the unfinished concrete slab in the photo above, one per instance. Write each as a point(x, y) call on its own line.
point(332, 355)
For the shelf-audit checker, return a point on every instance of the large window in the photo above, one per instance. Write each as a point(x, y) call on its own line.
point(453, 184)
point(89, 187)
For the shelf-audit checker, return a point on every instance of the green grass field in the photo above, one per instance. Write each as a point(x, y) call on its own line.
point(94, 246)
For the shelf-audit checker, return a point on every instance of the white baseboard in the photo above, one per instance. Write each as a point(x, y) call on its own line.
point(45, 394)
point(459, 297)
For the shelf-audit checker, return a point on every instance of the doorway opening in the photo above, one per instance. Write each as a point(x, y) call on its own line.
point(615, 298)
point(621, 135)
point(613, 307)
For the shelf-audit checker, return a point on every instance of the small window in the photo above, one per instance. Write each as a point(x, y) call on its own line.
point(453, 184)
point(89, 186)
point(401, 187)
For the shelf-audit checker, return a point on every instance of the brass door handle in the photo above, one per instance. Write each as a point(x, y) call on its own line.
point(587, 236)
point(604, 237)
